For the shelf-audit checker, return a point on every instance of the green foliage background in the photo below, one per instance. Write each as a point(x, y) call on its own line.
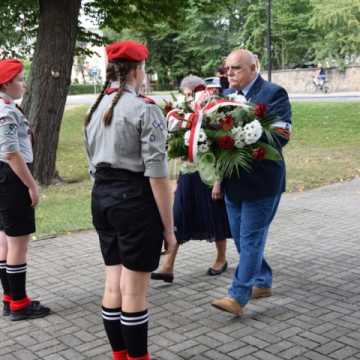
point(193, 36)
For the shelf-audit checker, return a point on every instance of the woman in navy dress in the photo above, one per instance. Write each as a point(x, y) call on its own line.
point(199, 211)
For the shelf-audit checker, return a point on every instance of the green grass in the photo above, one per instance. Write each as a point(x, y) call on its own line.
point(325, 144)
point(66, 207)
point(71, 157)
point(324, 149)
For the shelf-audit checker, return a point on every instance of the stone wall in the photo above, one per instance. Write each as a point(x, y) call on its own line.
point(298, 80)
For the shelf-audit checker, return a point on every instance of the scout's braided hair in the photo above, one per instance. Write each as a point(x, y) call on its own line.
point(97, 102)
point(116, 71)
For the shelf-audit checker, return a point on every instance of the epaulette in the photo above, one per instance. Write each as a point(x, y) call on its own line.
point(147, 100)
point(6, 101)
point(109, 90)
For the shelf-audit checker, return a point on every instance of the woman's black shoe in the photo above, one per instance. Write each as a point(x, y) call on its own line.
point(33, 311)
point(214, 272)
point(166, 277)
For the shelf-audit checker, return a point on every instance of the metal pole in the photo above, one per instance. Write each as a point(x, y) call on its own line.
point(269, 45)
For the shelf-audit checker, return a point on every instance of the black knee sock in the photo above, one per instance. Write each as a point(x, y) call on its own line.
point(4, 279)
point(16, 275)
point(113, 328)
point(135, 328)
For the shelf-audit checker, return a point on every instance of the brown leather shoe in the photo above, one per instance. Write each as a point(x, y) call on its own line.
point(229, 305)
point(258, 293)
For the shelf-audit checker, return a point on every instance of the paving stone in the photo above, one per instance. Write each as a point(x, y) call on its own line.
point(25, 355)
point(312, 355)
point(344, 353)
point(278, 347)
point(245, 350)
point(293, 352)
point(215, 355)
point(263, 355)
point(167, 355)
point(9, 357)
point(54, 357)
point(313, 314)
point(253, 340)
point(306, 343)
point(330, 347)
point(193, 352)
point(71, 354)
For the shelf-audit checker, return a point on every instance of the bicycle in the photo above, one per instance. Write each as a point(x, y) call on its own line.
point(314, 86)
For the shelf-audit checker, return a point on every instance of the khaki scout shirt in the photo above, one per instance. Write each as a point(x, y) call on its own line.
point(14, 130)
point(135, 140)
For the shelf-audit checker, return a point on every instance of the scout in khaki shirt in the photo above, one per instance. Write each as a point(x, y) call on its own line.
point(131, 200)
point(18, 196)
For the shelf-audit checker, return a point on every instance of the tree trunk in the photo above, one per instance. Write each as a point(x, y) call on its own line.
point(50, 77)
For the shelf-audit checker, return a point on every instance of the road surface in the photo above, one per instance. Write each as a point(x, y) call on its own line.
point(334, 97)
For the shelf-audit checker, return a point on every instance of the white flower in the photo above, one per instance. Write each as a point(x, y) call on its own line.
point(239, 143)
point(180, 101)
point(187, 138)
point(239, 136)
point(253, 132)
point(203, 148)
point(202, 136)
point(237, 97)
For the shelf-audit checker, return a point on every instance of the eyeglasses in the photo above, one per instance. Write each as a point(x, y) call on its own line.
point(233, 68)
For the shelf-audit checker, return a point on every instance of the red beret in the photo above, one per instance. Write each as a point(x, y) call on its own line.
point(9, 69)
point(126, 50)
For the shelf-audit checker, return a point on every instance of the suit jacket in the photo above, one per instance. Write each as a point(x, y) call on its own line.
point(266, 177)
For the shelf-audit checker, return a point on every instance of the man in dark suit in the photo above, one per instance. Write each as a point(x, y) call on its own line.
point(253, 197)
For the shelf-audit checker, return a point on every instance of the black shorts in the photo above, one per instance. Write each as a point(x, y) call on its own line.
point(126, 219)
point(17, 217)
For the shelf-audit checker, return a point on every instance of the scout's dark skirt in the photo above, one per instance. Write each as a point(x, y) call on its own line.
point(126, 219)
point(17, 217)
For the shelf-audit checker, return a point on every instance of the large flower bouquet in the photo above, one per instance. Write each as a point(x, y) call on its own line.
point(222, 138)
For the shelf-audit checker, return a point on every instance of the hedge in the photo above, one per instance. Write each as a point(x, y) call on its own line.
point(77, 89)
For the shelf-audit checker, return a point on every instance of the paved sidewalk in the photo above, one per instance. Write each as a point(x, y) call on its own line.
point(314, 248)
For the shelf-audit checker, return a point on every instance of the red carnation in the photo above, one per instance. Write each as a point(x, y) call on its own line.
point(225, 142)
point(259, 154)
point(168, 107)
point(260, 110)
point(227, 123)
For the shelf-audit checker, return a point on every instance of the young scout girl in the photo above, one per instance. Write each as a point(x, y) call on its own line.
point(131, 199)
point(18, 195)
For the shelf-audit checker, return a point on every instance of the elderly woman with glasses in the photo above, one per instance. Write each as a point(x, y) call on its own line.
point(199, 211)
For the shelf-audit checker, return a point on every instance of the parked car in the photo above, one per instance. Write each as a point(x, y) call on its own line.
point(304, 66)
point(211, 80)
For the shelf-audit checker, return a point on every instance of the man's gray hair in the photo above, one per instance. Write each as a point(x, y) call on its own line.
point(191, 82)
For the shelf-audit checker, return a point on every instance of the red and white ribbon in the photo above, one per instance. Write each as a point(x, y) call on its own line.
point(196, 122)
point(219, 103)
point(177, 119)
